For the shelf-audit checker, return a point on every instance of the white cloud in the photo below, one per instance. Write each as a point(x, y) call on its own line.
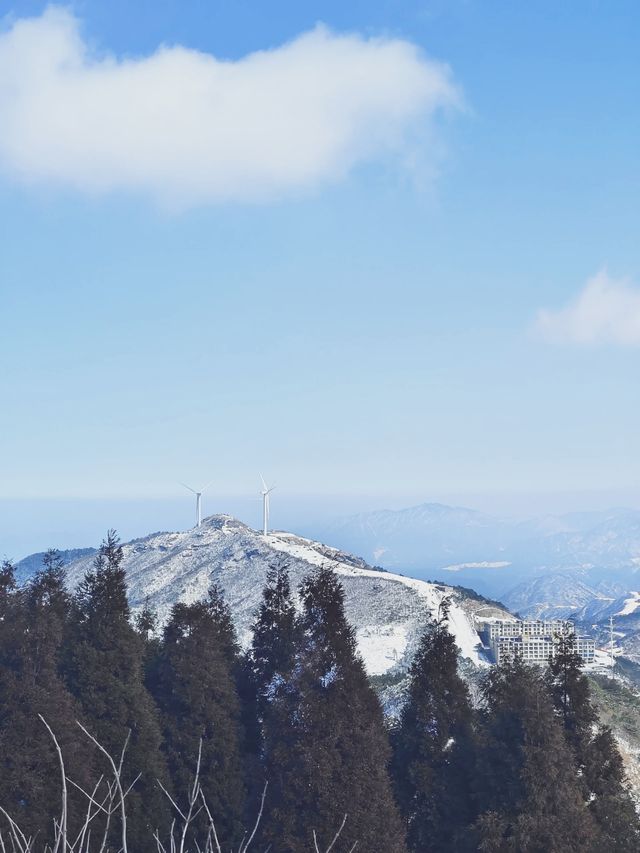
point(188, 128)
point(606, 311)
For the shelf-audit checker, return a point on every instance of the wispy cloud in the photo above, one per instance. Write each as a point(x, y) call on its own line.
point(606, 311)
point(187, 128)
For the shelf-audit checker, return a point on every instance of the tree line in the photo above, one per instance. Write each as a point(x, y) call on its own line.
point(527, 769)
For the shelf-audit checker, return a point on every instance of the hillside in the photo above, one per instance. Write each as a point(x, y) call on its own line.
point(387, 610)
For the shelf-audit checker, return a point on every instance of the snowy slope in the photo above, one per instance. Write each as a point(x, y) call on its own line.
point(630, 604)
point(387, 610)
point(430, 594)
point(600, 611)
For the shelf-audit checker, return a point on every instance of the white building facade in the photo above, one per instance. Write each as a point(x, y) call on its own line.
point(533, 640)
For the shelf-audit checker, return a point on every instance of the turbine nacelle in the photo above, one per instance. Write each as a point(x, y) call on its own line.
point(198, 495)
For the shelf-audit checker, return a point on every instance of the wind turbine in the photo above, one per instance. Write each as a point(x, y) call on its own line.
point(198, 501)
point(266, 491)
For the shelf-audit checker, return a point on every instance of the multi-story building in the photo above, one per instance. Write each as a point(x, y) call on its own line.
point(534, 640)
point(530, 649)
point(586, 648)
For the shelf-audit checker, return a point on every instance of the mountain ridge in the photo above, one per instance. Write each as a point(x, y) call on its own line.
point(388, 610)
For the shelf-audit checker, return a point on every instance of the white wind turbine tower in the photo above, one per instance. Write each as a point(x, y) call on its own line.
point(198, 501)
point(266, 491)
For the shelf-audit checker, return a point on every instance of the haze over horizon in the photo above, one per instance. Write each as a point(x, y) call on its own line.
point(33, 525)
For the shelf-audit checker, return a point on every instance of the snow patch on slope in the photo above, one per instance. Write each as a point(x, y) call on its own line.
point(630, 604)
point(460, 626)
point(382, 646)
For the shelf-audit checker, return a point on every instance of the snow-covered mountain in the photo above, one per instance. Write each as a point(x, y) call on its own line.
point(544, 567)
point(387, 610)
point(600, 610)
point(622, 613)
point(558, 595)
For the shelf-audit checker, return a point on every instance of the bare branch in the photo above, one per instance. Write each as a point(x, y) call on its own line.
point(212, 825)
point(258, 819)
point(192, 799)
point(90, 797)
point(171, 800)
point(16, 836)
point(116, 773)
point(62, 834)
point(335, 839)
point(337, 835)
point(124, 749)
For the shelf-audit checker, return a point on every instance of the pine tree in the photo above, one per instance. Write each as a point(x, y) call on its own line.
point(146, 622)
point(147, 625)
point(11, 630)
point(275, 635)
point(7, 581)
point(106, 676)
point(269, 666)
point(610, 800)
point(222, 623)
point(29, 781)
point(605, 788)
point(334, 753)
point(8, 630)
point(570, 692)
point(434, 746)
point(196, 692)
point(529, 789)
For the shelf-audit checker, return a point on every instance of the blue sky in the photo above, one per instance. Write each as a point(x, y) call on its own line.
point(365, 329)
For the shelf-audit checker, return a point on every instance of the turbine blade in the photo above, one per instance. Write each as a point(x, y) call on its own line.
point(264, 485)
point(189, 487)
point(204, 488)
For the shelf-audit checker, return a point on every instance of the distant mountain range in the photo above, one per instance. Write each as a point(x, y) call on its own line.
point(553, 564)
point(558, 595)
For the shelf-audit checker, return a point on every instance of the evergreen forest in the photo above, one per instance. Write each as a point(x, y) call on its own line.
point(121, 734)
